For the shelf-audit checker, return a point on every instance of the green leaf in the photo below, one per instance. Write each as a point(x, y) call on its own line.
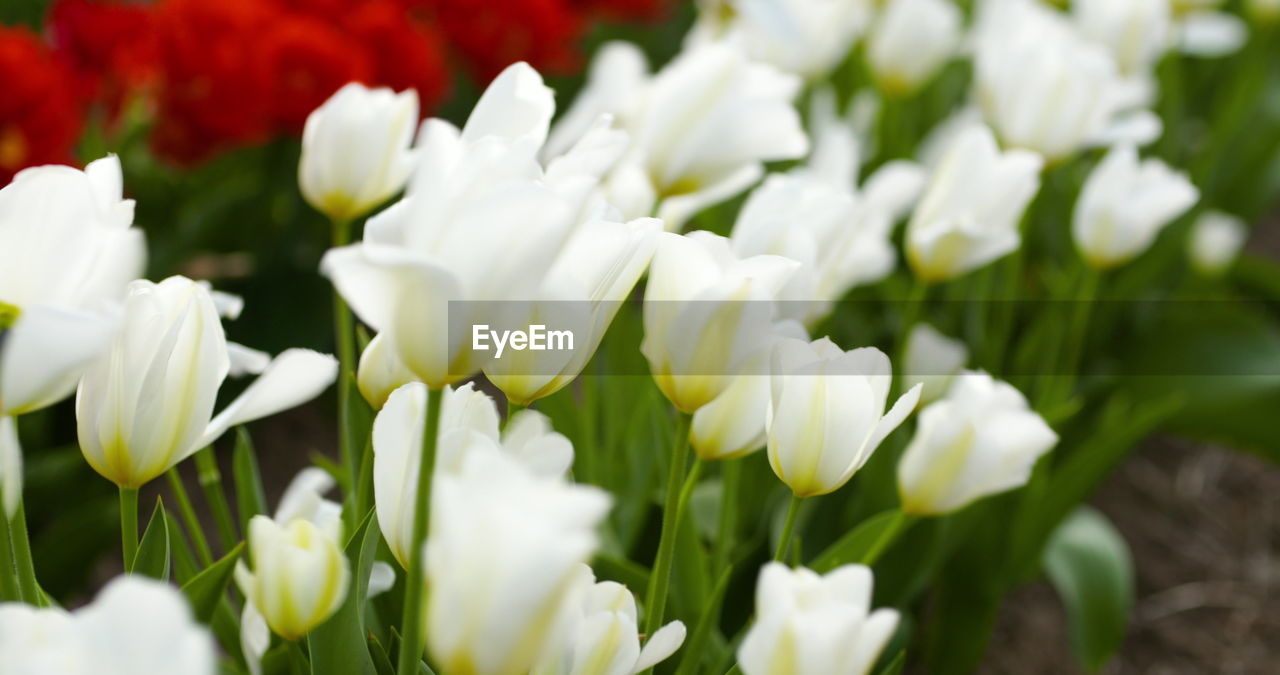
point(1089, 565)
point(338, 645)
point(153, 550)
point(626, 572)
point(865, 543)
point(896, 665)
point(695, 647)
point(251, 499)
point(185, 567)
point(206, 589)
point(381, 662)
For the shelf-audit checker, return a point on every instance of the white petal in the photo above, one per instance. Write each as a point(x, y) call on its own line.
point(1212, 34)
point(293, 378)
point(381, 578)
point(662, 644)
point(44, 353)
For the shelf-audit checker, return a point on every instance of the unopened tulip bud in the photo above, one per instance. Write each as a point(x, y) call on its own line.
point(808, 624)
point(1124, 205)
point(355, 150)
point(1216, 240)
point(299, 574)
point(980, 440)
point(911, 41)
point(827, 412)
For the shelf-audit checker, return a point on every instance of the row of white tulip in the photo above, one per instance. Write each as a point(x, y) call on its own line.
point(511, 208)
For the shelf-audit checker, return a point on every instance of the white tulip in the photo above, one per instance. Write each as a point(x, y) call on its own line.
point(67, 252)
point(700, 129)
point(147, 403)
point(911, 41)
point(583, 291)
point(969, 214)
point(481, 222)
point(733, 424)
point(706, 314)
point(1137, 32)
point(805, 37)
point(135, 625)
point(815, 625)
point(1216, 240)
point(355, 150)
point(932, 361)
point(468, 425)
point(1124, 205)
point(1211, 34)
point(604, 638)
point(504, 549)
point(981, 439)
point(827, 412)
point(381, 372)
point(299, 574)
point(1044, 88)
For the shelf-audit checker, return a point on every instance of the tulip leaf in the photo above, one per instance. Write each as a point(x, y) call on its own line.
point(896, 665)
point(206, 590)
point(865, 543)
point(185, 567)
point(1088, 563)
point(153, 551)
point(626, 572)
point(381, 662)
point(251, 499)
point(695, 648)
point(338, 645)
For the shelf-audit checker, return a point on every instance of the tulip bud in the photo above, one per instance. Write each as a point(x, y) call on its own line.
point(933, 360)
point(148, 403)
point(299, 576)
point(980, 440)
point(135, 625)
point(381, 372)
point(827, 412)
point(813, 625)
point(969, 214)
point(912, 40)
point(1124, 204)
point(468, 425)
point(355, 150)
point(504, 550)
point(706, 313)
point(605, 638)
point(805, 37)
point(1216, 240)
point(1137, 32)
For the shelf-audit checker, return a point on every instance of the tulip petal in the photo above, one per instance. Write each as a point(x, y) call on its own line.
point(896, 415)
point(872, 638)
point(382, 577)
point(662, 644)
point(516, 104)
point(44, 352)
point(293, 378)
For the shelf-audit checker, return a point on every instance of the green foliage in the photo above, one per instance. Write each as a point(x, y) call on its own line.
point(153, 550)
point(1089, 564)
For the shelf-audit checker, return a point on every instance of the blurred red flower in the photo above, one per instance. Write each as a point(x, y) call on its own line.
point(305, 60)
point(407, 52)
point(490, 35)
point(111, 45)
point(41, 112)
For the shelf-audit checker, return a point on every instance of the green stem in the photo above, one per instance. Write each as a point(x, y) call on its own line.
point(189, 517)
point(129, 525)
point(656, 597)
point(298, 663)
point(8, 569)
point(415, 579)
point(784, 542)
point(22, 558)
point(730, 478)
point(211, 483)
point(344, 332)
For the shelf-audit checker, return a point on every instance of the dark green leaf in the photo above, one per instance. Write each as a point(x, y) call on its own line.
point(1088, 562)
point(381, 661)
point(153, 550)
point(695, 647)
point(185, 567)
point(896, 665)
point(626, 572)
point(206, 589)
point(865, 543)
point(251, 500)
point(338, 645)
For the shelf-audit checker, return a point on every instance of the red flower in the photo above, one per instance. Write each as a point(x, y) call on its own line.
point(112, 47)
point(407, 52)
point(41, 114)
point(213, 93)
point(492, 34)
point(305, 61)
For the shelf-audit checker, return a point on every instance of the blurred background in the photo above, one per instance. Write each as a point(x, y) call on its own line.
point(204, 101)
